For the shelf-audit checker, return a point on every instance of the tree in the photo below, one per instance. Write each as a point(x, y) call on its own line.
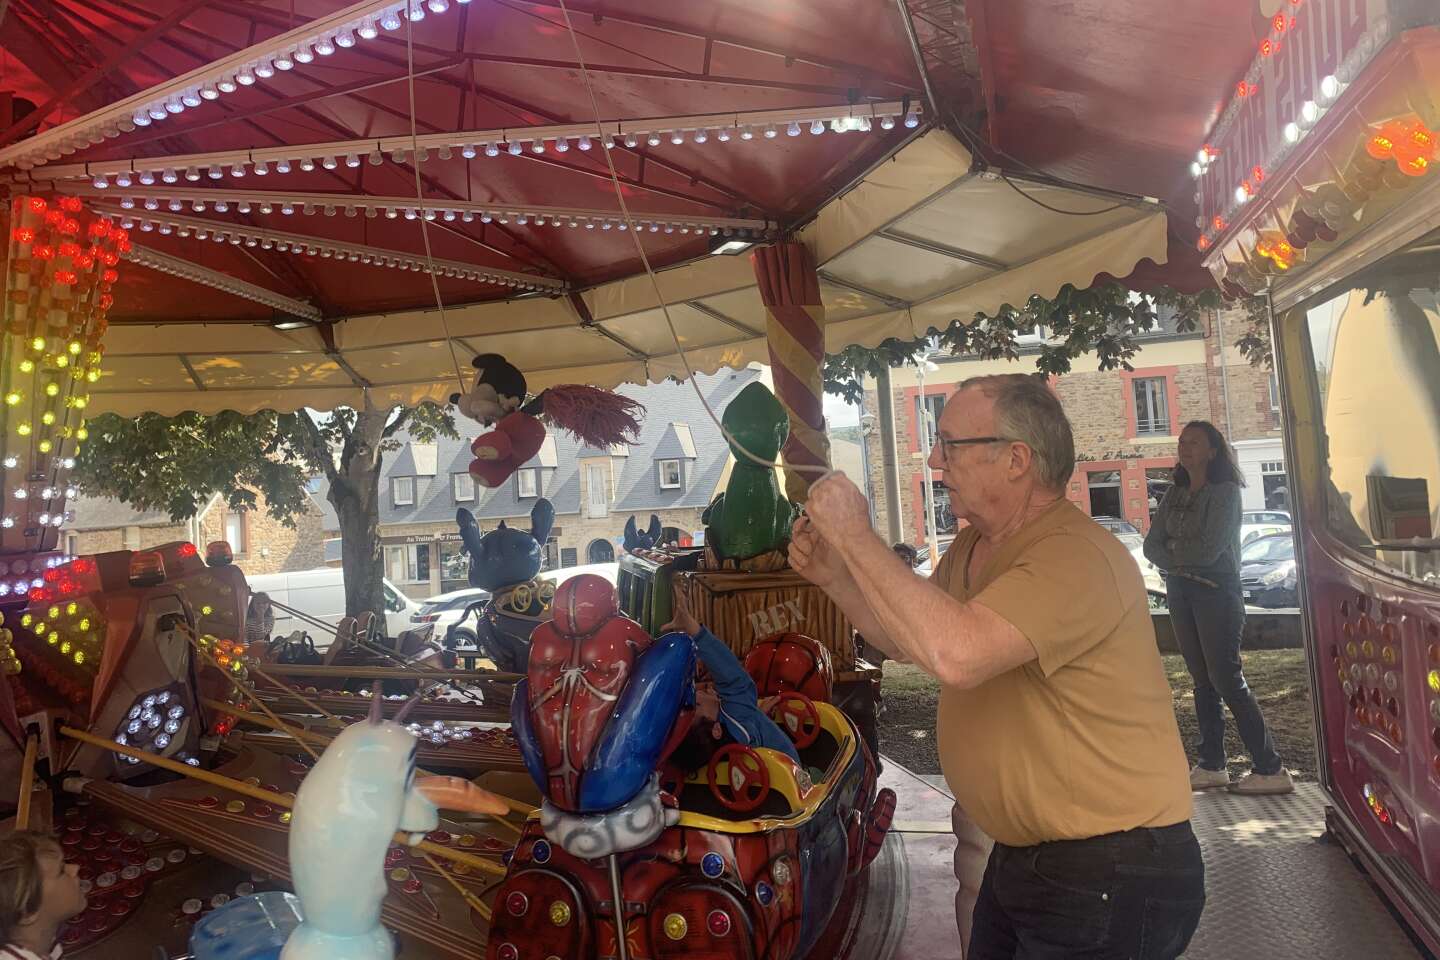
point(1103, 319)
point(177, 464)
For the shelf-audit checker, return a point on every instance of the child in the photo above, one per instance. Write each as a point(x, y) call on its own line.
point(731, 706)
point(39, 891)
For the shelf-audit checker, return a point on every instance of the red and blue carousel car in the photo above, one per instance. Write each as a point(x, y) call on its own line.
point(745, 857)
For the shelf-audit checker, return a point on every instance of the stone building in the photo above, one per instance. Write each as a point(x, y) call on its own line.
point(1126, 423)
point(674, 471)
point(260, 543)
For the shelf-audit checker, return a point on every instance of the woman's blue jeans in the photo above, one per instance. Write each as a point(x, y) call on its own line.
point(1208, 623)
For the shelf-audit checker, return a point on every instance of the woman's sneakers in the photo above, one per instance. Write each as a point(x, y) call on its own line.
point(1260, 784)
point(1202, 779)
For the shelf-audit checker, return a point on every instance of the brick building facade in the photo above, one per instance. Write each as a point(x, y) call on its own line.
point(260, 543)
point(1126, 423)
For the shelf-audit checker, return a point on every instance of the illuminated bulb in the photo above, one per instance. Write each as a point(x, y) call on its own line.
point(367, 29)
point(11, 463)
point(438, 6)
point(701, 136)
point(770, 132)
point(1309, 112)
point(191, 98)
point(583, 143)
point(653, 139)
point(264, 70)
point(677, 137)
point(912, 120)
point(245, 76)
point(12, 398)
point(20, 492)
point(52, 389)
point(82, 434)
point(141, 119)
point(24, 430)
point(208, 92)
point(415, 13)
point(1329, 88)
point(630, 140)
point(793, 129)
point(1291, 133)
point(345, 39)
point(303, 53)
point(69, 464)
point(285, 60)
point(515, 148)
point(45, 446)
point(325, 46)
point(562, 145)
point(391, 20)
point(48, 418)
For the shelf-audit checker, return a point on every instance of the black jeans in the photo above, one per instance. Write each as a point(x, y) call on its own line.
point(1135, 895)
point(1208, 623)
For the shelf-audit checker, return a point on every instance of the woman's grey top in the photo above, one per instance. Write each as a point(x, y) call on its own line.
point(1197, 532)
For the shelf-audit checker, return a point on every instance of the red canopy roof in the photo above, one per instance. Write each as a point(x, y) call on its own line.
point(1109, 93)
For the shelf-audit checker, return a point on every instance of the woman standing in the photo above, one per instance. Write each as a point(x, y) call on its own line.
point(1195, 539)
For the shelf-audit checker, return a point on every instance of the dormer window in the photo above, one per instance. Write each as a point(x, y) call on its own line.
point(527, 484)
point(462, 486)
point(402, 491)
point(669, 474)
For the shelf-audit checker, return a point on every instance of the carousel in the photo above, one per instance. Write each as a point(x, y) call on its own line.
point(511, 208)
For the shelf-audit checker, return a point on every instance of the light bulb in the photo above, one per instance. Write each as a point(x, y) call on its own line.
point(227, 85)
point(264, 70)
point(325, 46)
point(817, 127)
point(1291, 133)
point(770, 132)
point(174, 105)
point(191, 98)
point(701, 136)
point(492, 150)
point(792, 130)
point(282, 166)
point(515, 148)
point(208, 92)
point(677, 137)
point(583, 143)
point(887, 123)
point(285, 60)
point(367, 29)
point(912, 119)
point(562, 145)
point(141, 119)
point(391, 20)
point(653, 139)
point(192, 174)
point(723, 134)
point(303, 53)
point(329, 163)
point(345, 38)
point(537, 146)
point(438, 6)
point(630, 141)
point(245, 76)
point(415, 13)
point(1309, 112)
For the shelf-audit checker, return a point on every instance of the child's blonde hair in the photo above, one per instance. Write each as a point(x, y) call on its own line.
point(21, 882)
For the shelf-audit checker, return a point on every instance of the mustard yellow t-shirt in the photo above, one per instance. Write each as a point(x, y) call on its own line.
point(1083, 740)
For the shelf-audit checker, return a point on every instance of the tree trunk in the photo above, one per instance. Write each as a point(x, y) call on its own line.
point(356, 498)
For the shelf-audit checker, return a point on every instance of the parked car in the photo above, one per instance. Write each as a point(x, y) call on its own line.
point(1134, 541)
point(320, 593)
point(1267, 571)
point(1263, 523)
point(445, 609)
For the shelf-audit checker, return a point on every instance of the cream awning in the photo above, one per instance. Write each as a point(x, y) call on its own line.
point(922, 240)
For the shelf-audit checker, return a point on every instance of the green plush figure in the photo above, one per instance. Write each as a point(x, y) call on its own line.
point(752, 516)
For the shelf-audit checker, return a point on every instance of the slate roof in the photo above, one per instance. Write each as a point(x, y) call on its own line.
point(103, 513)
point(675, 426)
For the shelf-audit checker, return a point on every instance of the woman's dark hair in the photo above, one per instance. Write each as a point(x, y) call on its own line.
point(1222, 469)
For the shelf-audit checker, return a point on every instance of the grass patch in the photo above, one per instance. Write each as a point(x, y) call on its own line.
point(1278, 677)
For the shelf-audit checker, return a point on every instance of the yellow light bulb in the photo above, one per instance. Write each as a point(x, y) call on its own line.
point(27, 366)
point(75, 347)
point(72, 608)
point(79, 657)
point(65, 648)
point(93, 376)
point(40, 628)
point(82, 434)
point(84, 624)
point(62, 361)
point(23, 429)
point(27, 619)
point(48, 417)
point(45, 446)
point(207, 610)
point(37, 344)
point(13, 397)
point(53, 613)
point(52, 389)
point(81, 402)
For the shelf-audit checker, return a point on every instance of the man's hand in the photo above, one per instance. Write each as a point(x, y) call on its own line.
point(813, 558)
point(681, 618)
point(838, 509)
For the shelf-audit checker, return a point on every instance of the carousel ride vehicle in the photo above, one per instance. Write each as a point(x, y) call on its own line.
point(746, 857)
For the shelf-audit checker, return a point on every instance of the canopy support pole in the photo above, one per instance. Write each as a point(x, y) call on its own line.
point(890, 473)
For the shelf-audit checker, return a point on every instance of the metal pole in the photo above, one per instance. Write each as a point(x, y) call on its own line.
point(886, 397)
point(622, 949)
point(919, 56)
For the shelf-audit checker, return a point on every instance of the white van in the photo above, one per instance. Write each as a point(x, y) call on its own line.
point(321, 594)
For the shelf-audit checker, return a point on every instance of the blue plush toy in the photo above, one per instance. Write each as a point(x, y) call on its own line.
point(505, 562)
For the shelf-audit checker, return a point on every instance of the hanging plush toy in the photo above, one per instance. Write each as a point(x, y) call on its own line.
point(597, 418)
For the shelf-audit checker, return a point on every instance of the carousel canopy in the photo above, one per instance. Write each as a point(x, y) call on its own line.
point(304, 180)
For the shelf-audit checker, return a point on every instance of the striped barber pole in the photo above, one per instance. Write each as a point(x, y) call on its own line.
point(794, 317)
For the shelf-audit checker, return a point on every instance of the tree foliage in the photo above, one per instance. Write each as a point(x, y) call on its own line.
point(1103, 320)
point(176, 464)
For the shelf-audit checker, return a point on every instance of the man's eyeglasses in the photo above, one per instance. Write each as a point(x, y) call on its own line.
point(971, 441)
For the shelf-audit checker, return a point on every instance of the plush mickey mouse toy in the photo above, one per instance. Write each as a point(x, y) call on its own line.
point(599, 418)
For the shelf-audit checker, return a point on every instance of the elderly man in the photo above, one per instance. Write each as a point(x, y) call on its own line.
point(1055, 726)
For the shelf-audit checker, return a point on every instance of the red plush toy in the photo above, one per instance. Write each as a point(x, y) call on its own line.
point(598, 418)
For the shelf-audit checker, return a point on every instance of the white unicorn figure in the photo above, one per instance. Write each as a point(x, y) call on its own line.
point(346, 813)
